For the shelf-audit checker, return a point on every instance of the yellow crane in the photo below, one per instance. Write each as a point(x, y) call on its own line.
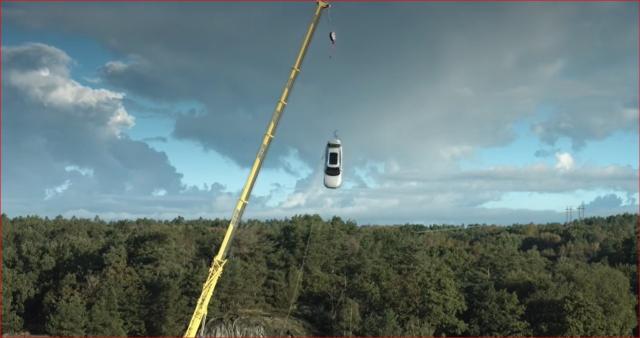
point(220, 259)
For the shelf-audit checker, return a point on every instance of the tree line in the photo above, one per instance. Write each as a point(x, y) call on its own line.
point(142, 277)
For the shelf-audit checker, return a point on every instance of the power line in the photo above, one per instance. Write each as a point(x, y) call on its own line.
point(581, 211)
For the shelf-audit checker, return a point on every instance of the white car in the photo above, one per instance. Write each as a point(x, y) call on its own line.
point(333, 164)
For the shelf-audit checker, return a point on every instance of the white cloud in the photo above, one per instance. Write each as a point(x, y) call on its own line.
point(57, 91)
point(609, 204)
point(564, 161)
point(58, 130)
point(159, 192)
point(294, 200)
point(121, 119)
point(115, 66)
point(461, 91)
point(461, 196)
point(50, 193)
point(82, 171)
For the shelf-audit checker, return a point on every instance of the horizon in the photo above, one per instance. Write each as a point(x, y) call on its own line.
point(224, 221)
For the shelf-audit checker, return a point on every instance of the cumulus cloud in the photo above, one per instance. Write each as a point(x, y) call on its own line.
point(607, 202)
point(588, 123)
point(81, 171)
point(400, 196)
point(50, 86)
point(564, 162)
point(49, 193)
point(610, 204)
point(464, 82)
point(58, 130)
point(414, 103)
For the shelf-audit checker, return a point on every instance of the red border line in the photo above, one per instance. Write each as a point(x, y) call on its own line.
point(335, 1)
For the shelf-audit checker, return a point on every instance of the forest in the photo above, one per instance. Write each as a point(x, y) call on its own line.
point(306, 275)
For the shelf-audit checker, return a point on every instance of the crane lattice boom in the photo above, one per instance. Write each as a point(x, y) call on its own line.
point(220, 259)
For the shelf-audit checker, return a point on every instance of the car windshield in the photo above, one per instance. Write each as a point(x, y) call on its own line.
point(332, 171)
point(333, 158)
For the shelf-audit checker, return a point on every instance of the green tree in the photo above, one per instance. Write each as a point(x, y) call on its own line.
point(388, 325)
point(104, 318)
point(11, 319)
point(142, 277)
point(67, 315)
point(494, 312)
point(583, 315)
point(349, 318)
point(598, 300)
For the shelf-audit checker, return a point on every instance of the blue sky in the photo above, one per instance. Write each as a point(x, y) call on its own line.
point(456, 113)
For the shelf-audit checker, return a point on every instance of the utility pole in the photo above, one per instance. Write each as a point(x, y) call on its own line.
point(220, 259)
point(581, 211)
point(570, 214)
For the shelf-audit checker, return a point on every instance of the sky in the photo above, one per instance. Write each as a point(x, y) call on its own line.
point(457, 113)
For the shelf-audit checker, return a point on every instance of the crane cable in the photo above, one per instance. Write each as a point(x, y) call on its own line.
point(242, 225)
point(304, 256)
point(332, 33)
point(299, 279)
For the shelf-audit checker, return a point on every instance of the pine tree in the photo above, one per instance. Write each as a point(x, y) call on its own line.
point(494, 312)
point(104, 318)
point(67, 316)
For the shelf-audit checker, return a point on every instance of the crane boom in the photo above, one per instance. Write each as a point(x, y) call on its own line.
point(220, 259)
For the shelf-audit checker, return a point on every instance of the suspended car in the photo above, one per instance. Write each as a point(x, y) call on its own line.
point(332, 37)
point(333, 164)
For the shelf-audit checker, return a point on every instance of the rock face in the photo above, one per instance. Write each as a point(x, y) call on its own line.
point(256, 326)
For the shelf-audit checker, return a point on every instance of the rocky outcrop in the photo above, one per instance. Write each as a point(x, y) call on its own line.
point(263, 325)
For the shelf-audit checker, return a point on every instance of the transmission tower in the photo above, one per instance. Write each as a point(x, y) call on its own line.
point(581, 211)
